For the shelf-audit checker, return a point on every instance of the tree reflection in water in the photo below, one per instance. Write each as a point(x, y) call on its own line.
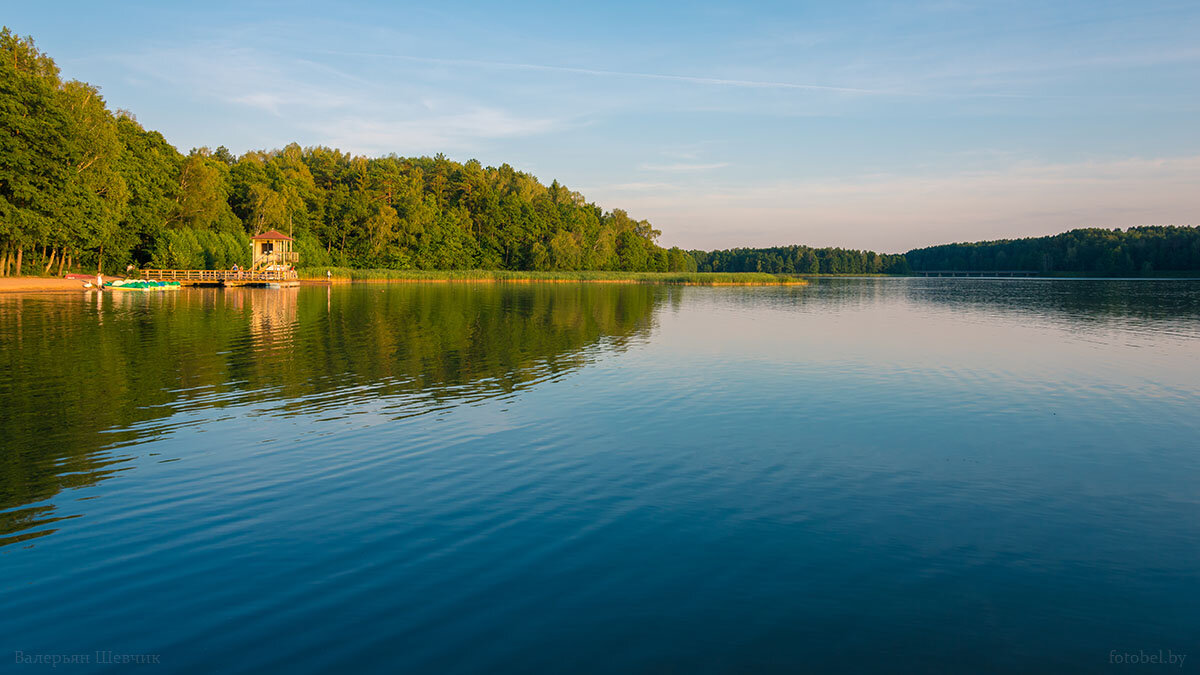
point(90, 376)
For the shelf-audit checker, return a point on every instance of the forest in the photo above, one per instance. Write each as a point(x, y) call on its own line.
point(1141, 251)
point(799, 260)
point(89, 189)
point(83, 187)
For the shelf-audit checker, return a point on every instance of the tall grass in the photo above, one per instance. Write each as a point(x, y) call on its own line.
point(677, 278)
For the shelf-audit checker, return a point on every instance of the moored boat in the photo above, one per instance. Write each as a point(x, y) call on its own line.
point(143, 285)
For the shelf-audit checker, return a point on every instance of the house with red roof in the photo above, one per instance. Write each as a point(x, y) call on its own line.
point(272, 250)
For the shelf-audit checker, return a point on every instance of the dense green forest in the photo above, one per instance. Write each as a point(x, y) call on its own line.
point(799, 260)
point(84, 187)
point(1135, 251)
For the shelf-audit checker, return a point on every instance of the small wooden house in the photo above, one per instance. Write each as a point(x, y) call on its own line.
point(272, 248)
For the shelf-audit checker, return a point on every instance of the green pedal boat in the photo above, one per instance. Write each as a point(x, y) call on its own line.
point(142, 285)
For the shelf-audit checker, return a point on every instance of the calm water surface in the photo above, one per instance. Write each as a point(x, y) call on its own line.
point(901, 475)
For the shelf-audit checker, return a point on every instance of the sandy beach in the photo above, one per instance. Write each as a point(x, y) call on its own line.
point(38, 284)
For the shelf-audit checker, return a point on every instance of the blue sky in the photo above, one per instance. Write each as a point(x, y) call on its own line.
point(875, 125)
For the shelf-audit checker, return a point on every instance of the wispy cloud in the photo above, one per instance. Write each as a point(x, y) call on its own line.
point(279, 102)
point(906, 108)
point(245, 76)
point(691, 79)
point(683, 167)
point(328, 106)
point(636, 186)
point(898, 212)
point(431, 132)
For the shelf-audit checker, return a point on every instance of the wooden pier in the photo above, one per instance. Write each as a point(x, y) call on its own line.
point(273, 263)
point(224, 277)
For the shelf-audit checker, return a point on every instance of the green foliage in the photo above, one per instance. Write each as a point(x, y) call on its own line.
point(150, 167)
point(800, 260)
point(77, 179)
point(185, 248)
point(80, 184)
point(35, 152)
point(1135, 251)
point(60, 187)
point(311, 252)
point(202, 201)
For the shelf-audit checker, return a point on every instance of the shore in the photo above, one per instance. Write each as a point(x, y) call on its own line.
point(348, 275)
point(344, 275)
point(39, 284)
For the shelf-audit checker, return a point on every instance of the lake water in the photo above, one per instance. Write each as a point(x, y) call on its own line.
point(898, 475)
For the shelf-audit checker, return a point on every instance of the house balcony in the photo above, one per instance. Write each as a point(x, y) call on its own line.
point(276, 258)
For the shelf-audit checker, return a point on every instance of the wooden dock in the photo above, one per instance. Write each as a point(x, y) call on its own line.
point(224, 277)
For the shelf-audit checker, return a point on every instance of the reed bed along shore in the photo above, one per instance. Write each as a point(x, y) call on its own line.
point(345, 274)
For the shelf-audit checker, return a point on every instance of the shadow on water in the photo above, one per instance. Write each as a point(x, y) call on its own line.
point(1081, 302)
point(90, 376)
point(605, 477)
point(1164, 306)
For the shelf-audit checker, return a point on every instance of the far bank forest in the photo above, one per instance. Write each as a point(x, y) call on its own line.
point(88, 189)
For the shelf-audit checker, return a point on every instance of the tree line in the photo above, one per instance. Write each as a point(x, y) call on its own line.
point(800, 260)
point(83, 187)
point(86, 188)
point(1135, 251)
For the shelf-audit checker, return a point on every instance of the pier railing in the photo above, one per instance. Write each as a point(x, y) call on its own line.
point(218, 276)
point(276, 258)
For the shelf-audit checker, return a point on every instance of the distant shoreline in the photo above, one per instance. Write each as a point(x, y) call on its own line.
point(346, 275)
point(35, 284)
point(30, 284)
point(349, 275)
